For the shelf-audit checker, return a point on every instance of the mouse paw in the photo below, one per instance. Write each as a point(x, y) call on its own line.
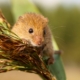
point(50, 61)
point(24, 41)
point(58, 52)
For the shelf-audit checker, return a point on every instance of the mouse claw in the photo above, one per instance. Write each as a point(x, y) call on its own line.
point(58, 52)
point(24, 41)
point(50, 60)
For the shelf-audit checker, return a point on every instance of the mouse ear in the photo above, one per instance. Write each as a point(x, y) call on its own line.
point(20, 17)
point(46, 20)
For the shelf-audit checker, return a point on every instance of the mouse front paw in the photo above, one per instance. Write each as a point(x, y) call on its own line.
point(51, 60)
point(25, 41)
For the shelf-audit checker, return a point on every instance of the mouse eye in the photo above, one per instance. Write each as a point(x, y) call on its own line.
point(44, 32)
point(30, 30)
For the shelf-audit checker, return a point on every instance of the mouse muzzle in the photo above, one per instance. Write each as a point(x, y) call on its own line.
point(38, 40)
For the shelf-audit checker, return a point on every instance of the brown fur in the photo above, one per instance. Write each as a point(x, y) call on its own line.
point(39, 25)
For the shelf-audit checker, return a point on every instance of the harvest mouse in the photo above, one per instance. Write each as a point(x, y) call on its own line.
point(34, 28)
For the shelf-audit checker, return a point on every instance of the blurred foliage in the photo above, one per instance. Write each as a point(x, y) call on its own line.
point(6, 9)
point(20, 7)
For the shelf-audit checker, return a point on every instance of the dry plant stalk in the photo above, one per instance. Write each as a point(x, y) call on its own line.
point(15, 55)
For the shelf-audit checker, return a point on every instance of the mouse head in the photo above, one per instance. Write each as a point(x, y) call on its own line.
point(32, 28)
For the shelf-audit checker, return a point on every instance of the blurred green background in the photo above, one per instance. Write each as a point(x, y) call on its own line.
point(64, 21)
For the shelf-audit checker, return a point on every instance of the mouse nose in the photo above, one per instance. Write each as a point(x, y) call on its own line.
point(39, 40)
